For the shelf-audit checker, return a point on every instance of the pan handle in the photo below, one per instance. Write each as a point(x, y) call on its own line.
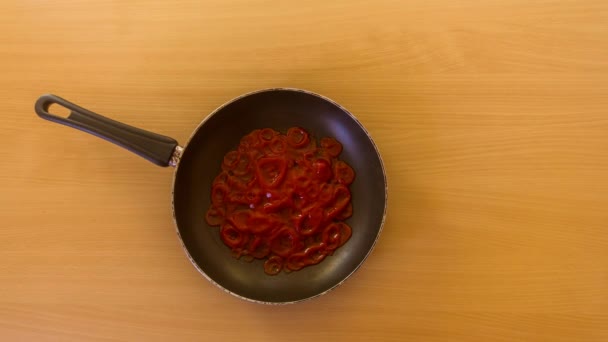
point(158, 149)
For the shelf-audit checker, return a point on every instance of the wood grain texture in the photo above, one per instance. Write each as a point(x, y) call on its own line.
point(491, 116)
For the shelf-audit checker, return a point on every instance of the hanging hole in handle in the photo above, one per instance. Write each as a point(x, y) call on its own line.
point(59, 110)
point(157, 148)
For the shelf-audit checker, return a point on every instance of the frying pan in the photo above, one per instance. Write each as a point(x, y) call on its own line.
point(198, 162)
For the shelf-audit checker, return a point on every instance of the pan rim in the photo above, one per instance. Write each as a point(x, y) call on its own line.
point(194, 133)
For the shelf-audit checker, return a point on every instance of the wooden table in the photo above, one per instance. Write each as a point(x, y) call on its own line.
point(491, 116)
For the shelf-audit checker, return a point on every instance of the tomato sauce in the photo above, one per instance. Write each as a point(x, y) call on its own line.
point(283, 198)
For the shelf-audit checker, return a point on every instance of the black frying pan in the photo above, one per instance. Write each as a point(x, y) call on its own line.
point(198, 162)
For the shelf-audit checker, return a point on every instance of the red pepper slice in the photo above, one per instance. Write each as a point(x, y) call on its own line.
point(253, 197)
point(340, 201)
point(315, 254)
point(300, 181)
point(344, 174)
point(214, 216)
point(259, 223)
point(231, 236)
point(258, 248)
point(271, 171)
point(345, 232)
point(239, 197)
point(230, 160)
point(273, 265)
point(346, 212)
point(297, 137)
point(222, 178)
point(267, 134)
point(276, 205)
point(322, 170)
point(250, 140)
point(219, 194)
point(254, 154)
point(278, 145)
point(240, 220)
point(242, 167)
point(332, 146)
point(236, 183)
point(326, 193)
point(284, 242)
point(310, 221)
point(296, 261)
point(331, 236)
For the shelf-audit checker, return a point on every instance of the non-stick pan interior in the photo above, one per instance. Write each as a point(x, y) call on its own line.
point(221, 132)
